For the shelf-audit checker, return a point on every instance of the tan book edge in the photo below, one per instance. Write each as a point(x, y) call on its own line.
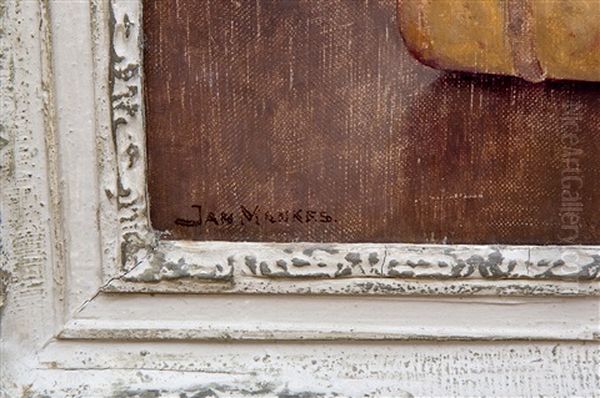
point(533, 39)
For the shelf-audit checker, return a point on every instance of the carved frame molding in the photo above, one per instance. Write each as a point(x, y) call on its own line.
point(79, 263)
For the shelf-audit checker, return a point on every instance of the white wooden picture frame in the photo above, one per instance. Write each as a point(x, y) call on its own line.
point(95, 303)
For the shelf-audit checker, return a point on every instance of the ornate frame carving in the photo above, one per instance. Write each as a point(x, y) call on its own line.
point(145, 262)
point(78, 258)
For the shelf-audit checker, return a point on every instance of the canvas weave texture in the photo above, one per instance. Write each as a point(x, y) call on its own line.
point(299, 120)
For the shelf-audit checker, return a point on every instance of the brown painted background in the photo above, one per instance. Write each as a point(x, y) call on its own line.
point(316, 105)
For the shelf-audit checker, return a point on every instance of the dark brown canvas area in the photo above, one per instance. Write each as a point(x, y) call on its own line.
point(309, 121)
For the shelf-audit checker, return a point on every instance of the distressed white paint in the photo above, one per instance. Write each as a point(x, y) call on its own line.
point(310, 317)
point(69, 329)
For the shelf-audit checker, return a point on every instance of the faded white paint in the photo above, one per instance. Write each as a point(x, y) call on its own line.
point(375, 319)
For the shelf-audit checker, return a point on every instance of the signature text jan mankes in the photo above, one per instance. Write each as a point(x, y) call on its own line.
point(254, 216)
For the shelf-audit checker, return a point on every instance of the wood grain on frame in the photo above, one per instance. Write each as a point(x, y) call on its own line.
point(309, 121)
